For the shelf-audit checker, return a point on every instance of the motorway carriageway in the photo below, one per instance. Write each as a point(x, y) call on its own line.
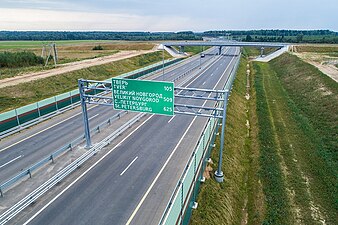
point(26, 148)
point(133, 181)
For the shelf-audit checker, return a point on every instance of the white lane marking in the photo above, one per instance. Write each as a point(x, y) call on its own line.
point(212, 74)
point(217, 68)
point(11, 161)
point(159, 174)
point(203, 83)
point(172, 153)
point(24, 139)
point(171, 118)
point(77, 179)
point(128, 166)
point(93, 116)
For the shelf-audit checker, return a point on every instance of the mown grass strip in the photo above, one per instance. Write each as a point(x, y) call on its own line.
point(22, 94)
point(277, 204)
point(225, 203)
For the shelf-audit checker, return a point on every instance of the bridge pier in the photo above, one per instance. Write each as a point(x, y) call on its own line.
point(262, 51)
point(219, 50)
point(181, 49)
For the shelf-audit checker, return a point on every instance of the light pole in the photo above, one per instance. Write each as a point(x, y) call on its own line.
point(163, 62)
point(219, 174)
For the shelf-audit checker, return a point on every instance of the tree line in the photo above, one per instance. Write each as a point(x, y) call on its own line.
point(292, 36)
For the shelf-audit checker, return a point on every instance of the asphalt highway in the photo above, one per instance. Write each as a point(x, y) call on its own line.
point(134, 181)
point(30, 146)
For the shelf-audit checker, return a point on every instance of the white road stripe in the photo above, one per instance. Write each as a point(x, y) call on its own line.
point(128, 166)
point(171, 118)
point(204, 83)
point(11, 161)
point(93, 116)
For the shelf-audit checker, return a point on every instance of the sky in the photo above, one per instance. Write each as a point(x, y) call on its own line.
point(167, 15)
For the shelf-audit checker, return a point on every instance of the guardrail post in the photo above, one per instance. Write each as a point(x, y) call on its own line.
point(38, 107)
point(84, 113)
point(56, 104)
point(219, 174)
point(71, 98)
point(17, 117)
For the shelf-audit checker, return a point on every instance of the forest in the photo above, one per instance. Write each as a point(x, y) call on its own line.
point(290, 36)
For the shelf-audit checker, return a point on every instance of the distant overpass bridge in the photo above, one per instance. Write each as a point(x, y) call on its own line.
point(222, 44)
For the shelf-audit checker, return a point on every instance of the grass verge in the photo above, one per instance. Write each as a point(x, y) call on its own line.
point(22, 94)
point(229, 202)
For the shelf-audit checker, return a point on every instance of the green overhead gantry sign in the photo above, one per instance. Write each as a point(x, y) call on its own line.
point(143, 96)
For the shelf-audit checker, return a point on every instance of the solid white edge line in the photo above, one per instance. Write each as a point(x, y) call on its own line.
point(128, 166)
point(11, 161)
point(93, 116)
point(171, 118)
point(167, 161)
point(77, 179)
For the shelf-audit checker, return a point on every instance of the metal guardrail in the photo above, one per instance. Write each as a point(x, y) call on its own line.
point(32, 197)
point(179, 207)
point(52, 157)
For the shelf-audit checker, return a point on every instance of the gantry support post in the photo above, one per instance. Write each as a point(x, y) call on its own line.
point(85, 114)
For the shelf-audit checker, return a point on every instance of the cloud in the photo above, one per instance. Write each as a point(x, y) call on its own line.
point(37, 19)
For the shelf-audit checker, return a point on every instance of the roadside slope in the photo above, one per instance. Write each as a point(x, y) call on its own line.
point(280, 158)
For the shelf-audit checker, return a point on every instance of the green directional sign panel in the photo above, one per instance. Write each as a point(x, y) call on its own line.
point(143, 96)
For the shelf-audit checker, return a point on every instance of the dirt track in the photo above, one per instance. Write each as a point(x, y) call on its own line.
point(69, 67)
point(318, 61)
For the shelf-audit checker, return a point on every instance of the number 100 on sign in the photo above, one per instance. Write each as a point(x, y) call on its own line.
point(143, 96)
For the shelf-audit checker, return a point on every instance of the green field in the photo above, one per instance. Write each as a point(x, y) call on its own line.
point(323, 48)
point(11, 45)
